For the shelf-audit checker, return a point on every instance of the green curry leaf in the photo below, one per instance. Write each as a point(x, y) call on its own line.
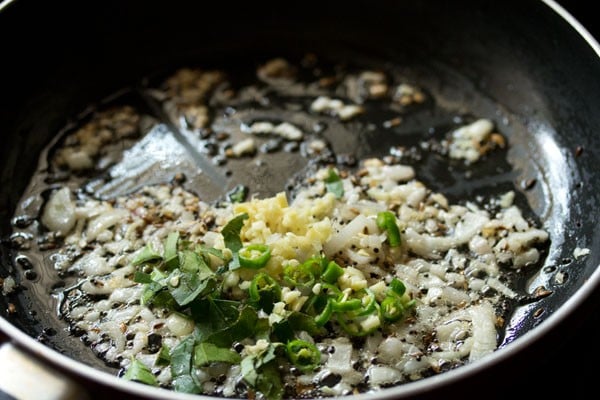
point(206, 353)
point(231, 232)
point(137, 371)
point(334, 184)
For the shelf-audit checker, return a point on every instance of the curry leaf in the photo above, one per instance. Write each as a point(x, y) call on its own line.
point(283, 331)
point(186, 287)
point(164, 299)
point(141, 277)
point(286, 329)
point(213, 315)
point(181, 367)
point(138, 371)
point(150, 292)
point(206, 353)
point(334, 184)
point(260, 372)
point(231, 232)
point(164, 356)
point(155, 290)
point(304, 322)
point(269, 383)
point(181, 357)
point(252, 364)
point(249, 371)
point(186, 384)
point(210, 251)
point(147, 254)
point(235, 262)
point(243, 327)
point(192, 262)
point(170, 251)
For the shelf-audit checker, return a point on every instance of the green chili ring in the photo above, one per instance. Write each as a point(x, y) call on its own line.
point(346, 305)
point(386, 220)
point(332, 272)
point(316, 265)
point(304, 355)
point(264, 291)
point(299, 276)
point(368, 303)
point(397, 287)
point(353, 326)
point(392, 309)
point(325, 315)
point(254, 256)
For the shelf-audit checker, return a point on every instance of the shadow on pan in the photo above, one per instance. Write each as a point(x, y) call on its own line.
point(517, 63)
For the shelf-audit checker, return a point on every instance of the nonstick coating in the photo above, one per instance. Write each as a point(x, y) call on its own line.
point(518, 62)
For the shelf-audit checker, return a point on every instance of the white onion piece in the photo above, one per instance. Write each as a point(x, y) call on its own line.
point(360, 257)
point(429, 246)
point(59, 213)
point(516, 241)
point(104, 221)
point(180, 325)
point(390, 349)
point(339, 240)
point(466, 140)
point(484, 330)
point(340, 362)
point(93, 264)
point(381, 375)
point(126, 295)
point(398, 172)
point(495, 284)
point(512, 217)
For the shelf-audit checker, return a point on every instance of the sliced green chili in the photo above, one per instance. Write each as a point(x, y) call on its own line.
point(330, 290)
point(316, 265)
point(238, 194)
point(304, 355)
point(254, 256)
point(359, 326)
point(264, 291)
point(360, 303)
point(386, 221)
point(321, 304)
point(397, 287)
point(334, 184)
point(346, 305)
point(332, 272)
point(299, 275)
point(325, 315)
point(368, 302)
point(392, 309)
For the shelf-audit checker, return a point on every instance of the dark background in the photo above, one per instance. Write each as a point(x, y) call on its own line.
point(585, 12)
point(565, 361)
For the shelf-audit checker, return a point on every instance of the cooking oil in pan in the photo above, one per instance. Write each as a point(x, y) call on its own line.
point(223, 138)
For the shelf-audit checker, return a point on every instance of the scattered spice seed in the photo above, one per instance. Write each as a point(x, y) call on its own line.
point(392, 122)
point(528, 183)
point(541, 292)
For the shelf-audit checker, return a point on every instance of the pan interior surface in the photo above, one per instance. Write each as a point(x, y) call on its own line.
point(548, 126)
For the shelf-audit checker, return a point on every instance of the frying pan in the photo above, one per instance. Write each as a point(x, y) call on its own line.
point(526, 64)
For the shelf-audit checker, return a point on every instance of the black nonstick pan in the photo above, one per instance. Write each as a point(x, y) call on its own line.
point(527, 65)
